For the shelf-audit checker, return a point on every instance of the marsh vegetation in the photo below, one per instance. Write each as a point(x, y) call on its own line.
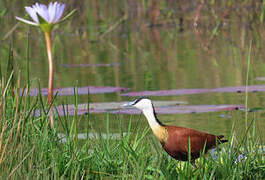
point(209, 53)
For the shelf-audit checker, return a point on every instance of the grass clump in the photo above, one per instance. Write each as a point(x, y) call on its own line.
point(29, 148)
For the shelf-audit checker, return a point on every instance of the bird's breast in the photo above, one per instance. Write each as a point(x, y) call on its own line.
point(161, 133)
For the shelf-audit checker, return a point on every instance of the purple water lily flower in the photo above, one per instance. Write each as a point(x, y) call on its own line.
point(51, 13)
point(46, 17)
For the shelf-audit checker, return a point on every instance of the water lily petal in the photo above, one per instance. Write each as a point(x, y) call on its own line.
point(32, 14)
point(59, 12)
point(26, 21)
point(52, 11)
point(42, 10)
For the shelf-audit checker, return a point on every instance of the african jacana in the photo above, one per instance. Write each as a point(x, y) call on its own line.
point(174, 139)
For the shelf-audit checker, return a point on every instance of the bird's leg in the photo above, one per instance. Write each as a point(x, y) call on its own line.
point(193, 164)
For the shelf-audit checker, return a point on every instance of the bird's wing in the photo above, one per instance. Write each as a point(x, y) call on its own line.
point(182, 137)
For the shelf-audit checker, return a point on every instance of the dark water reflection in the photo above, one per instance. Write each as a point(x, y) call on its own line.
point(157, 47)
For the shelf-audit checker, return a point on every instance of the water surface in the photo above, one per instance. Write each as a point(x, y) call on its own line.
point(149, 45)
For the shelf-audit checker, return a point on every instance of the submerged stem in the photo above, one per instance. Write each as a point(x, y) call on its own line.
point(50, 85)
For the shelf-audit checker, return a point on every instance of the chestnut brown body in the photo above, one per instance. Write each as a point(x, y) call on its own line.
point(179, 138)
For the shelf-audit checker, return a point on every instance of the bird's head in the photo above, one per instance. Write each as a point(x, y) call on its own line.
point(142, 103)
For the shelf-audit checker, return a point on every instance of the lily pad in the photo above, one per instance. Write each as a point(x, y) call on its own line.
point(237, 89)
point(161, 107)
point(184, 109)
point(167, 92)
point(81, 90)
point(103, 107)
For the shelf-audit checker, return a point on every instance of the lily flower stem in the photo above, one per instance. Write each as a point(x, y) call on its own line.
point(51, 74)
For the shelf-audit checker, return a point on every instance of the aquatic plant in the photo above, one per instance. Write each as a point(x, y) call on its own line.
point(68, 91)
point(171, 92)
point(46, 17)
point(115, 108)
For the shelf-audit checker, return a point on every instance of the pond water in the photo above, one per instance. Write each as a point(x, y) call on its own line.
point(150, 45)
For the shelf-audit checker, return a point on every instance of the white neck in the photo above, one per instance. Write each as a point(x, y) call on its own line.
point(159, 131)
point(149, 114)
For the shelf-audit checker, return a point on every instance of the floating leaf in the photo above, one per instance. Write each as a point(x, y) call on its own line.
point(81, 90)
point(184, 109)
point(166, 92)
point(238, 89)
point(161, 107)
point(104, 107)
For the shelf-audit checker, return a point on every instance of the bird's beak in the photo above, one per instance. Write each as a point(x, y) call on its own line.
point(129, 104)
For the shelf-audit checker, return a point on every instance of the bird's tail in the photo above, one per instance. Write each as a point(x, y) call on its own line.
point(221, 140)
